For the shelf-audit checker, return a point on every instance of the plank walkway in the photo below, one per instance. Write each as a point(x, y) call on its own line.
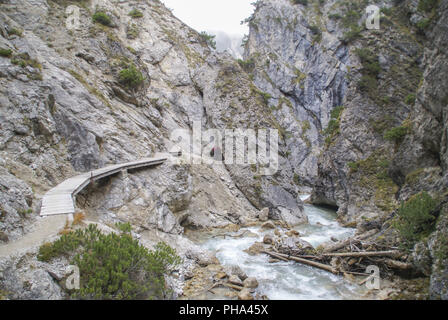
point(61, 199)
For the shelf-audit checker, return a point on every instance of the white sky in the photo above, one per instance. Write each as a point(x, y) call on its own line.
point(213, 15)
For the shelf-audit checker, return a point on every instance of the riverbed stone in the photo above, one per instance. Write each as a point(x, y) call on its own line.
point(221, 275)
point(245, 294)
point(255, 249)
point(251, 283)
point(268, 239)
point(236, 270)
point(268, 225)
point(263, 215)
point(234, 279)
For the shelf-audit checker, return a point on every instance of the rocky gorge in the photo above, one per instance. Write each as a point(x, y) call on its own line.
point(361, 116)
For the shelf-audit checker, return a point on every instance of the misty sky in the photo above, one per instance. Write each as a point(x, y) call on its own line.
point(213, 15)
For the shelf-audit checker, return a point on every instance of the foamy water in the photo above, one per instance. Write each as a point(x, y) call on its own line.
point(290, 280)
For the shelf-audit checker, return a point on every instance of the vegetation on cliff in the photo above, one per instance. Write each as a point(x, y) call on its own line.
point(113, 266)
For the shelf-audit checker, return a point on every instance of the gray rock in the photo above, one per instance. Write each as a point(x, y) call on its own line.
point(245, 294)
point(263, 214)
point(236, 270)
point(250, 283)
point(234, 279)
point(268, 225)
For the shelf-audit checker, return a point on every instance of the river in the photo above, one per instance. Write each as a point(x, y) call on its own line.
point(290, 280)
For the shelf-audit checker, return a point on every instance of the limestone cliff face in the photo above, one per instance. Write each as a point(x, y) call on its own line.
point(64, 110)
point(305, 76)
point(375, 101)
point(67, 107)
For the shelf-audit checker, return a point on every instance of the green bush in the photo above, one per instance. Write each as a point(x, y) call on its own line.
point(15, 31)
point(369, 61)
point(336, 112)
point(131, 77)
point(414, 220)
point(113, 266)
point(5, 52)
point(135, 13)
point(317, 33)
point(333, 125)
point(427, 5)
point(334, 16)
point(265, 97)
point(354, 166)
point(410, 99)
point(24, 60)
point(209, 39)
point(132, 31)
point(422, 25)
point(367, 83)
point(396, 134)
point(247, 65)
point(352, 34)
point(102, 18)
point(302, 2)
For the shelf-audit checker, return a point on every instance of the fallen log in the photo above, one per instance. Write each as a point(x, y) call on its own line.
point(304, 261)
point(398, 264)
point(346, 242)
point(231, 236)
point(232, 286)
point(392, 253)
point(276, 255)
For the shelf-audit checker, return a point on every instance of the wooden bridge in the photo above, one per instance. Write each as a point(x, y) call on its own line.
point(61, 199)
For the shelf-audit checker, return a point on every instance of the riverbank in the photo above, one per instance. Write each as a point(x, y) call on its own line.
point(283, 280)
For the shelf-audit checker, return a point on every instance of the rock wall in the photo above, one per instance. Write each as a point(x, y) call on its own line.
point(375, 101)
point(66, 108)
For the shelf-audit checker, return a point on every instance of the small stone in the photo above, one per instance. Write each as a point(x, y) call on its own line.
point(188, 274)
point(268, 239)
point(268, 225)
point(234, 279)
point(277, 232)
point(293, 233)
point(236, 270)
point(206, 261)
point(3, 237)
point(221, 275)
point(245, 295)
point(251, 283)
point(263, 215)
point(255, 249)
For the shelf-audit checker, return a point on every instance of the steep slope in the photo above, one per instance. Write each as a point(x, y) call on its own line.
point(375, 101)
point(113, 89)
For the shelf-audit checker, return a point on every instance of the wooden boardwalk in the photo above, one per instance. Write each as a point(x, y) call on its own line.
point(61, 199)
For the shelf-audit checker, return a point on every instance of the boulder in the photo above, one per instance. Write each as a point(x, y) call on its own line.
point(268, 225)
point(251, 283)
point(234, 279)
point(263, 215)
point(268, 239)
point(221, 275)
point(245, 294)
point(255, 249)
point(236, 270)
point(292, 233)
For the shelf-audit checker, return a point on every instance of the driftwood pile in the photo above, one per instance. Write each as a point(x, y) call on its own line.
point(350, 256)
